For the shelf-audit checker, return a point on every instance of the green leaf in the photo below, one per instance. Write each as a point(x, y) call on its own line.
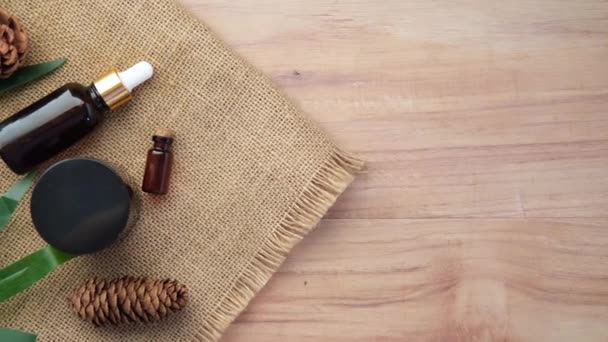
point(26, 272)
point(12, 335)
point(10, 199)
point(29, 73)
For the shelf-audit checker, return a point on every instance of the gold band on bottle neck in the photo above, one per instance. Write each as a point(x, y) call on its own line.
point(112, 90)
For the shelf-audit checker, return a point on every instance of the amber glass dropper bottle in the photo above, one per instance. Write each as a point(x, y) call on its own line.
point(63, 117)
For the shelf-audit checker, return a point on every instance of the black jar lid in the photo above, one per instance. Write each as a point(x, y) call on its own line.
point(80, 206)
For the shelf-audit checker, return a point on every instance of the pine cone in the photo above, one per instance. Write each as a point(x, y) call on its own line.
point(128, 299)
point(14, 44)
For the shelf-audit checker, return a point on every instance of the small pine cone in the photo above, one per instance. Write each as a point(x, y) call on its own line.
point(14, 44)
point(127, 299)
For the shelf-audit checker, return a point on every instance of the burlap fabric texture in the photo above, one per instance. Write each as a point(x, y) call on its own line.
point(252, 175)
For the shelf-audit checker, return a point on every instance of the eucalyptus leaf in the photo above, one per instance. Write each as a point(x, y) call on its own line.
point(29, 73)
point(10, 199)
point(12, 335)
point(27, 271)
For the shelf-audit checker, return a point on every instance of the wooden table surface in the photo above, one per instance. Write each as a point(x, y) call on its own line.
point(484, 211)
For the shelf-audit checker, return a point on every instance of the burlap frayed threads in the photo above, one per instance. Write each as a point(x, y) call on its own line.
point(318, 196)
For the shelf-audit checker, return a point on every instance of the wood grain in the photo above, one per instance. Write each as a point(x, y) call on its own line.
point(483, 213)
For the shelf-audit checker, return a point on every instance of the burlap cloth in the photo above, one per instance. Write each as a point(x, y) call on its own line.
point(252, 175)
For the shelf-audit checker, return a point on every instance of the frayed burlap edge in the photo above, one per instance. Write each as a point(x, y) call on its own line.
point(317, 197)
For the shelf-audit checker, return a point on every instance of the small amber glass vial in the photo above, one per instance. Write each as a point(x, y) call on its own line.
point(159, 164)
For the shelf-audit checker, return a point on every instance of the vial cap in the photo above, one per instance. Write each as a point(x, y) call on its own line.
point(164, 133)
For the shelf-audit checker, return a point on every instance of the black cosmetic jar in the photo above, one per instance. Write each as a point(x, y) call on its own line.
point(82, 206)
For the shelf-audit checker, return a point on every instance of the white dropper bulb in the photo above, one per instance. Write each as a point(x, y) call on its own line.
point(136, 75)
